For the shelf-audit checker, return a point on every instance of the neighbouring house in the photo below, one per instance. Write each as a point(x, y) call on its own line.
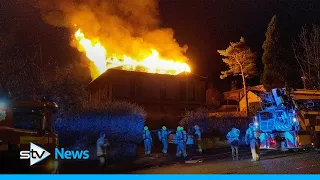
point(229, 108)
point(238, 105)
point(238, 94)
point(164, 97)
point(228, 105)
point(254, 101)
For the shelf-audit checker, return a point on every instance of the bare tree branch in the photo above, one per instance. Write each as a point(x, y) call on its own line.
point(306, 52)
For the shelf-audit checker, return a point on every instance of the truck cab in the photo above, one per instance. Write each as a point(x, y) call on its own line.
point(22, 123)
point(276, 128)
point(289, 119)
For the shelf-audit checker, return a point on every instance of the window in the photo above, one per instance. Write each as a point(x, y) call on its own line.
point(182, 88)
point(110, 90)
point(192, 93)
point(100, 95)
point(132, 89)
point(27, 118)
point(138, 90)
point(95, 96)
point(162, 90)
point(105, 93)
point(197, 94)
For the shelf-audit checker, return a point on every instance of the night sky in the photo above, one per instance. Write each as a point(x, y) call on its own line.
point(204, 25)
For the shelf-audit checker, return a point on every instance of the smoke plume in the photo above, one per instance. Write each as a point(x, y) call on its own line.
point(129, 27)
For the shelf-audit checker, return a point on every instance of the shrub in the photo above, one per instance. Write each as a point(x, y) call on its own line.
point(213, 127)
point(115, 108)
point(198, 117)
point(221, 126)
point(121, 121)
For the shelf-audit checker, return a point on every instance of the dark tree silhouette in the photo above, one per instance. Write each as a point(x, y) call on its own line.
point(28, 78)
point(273, 75)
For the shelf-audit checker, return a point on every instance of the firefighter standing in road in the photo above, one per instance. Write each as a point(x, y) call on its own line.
point(102, 144)
point(185, 138)
point(252, 139)
point(198, 140)
point(180, 142)
point(233, 139)
point(147, 139)
point(163, 137)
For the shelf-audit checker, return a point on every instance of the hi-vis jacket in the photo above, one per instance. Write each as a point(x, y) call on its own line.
point(233, 135)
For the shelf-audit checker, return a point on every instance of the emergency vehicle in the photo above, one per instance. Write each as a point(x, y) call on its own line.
point(22, 123)
point(289, 119)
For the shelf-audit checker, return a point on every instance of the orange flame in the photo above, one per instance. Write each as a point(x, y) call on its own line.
point(96, 53)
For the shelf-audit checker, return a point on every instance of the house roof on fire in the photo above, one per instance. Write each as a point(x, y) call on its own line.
point(116, 72)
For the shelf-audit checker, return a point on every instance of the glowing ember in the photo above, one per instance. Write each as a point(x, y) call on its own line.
point(96, 53)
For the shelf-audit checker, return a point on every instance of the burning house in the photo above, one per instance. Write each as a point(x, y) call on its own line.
point(164, 97)
point(150, 71)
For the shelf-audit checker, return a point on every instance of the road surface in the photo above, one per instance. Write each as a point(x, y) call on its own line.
point(90, 166)
point(286, 163)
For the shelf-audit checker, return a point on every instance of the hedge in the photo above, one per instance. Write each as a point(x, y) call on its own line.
point(122, 122)
point(211, 126)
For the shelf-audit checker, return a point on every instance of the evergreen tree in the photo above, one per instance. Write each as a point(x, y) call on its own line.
point(273, 75)
point(241, 61)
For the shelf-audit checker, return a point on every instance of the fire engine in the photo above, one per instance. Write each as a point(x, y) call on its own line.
point(22, 123)
point(289, 120)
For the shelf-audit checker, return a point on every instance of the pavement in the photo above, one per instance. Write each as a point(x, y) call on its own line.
point(307, 162)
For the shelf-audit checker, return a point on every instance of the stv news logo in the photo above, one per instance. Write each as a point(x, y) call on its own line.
point(37, 154)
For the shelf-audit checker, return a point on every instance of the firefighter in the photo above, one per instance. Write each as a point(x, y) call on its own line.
point(147, 139)
point(190, 140)
point(233, 139)
point(198, 140)
point(163, 137)
point(252, 139)
point(180, 142)
point(102, 144)
point(185, 138)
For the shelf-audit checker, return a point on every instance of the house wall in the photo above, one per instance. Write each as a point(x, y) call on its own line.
point(233, 95)
point(253, 101)
point(163, 97)
point(238, 94)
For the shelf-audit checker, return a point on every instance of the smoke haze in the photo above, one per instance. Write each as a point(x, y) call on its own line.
point(124, 27)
